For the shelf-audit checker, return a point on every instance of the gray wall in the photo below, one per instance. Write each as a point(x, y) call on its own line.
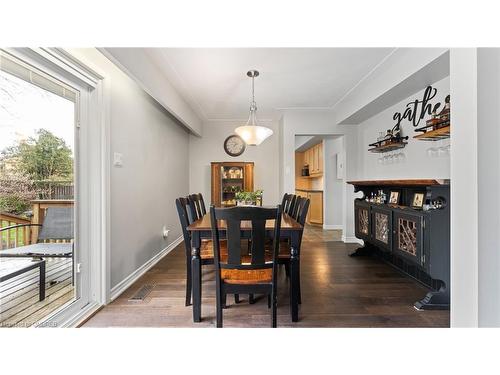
point(333, 187)
point(209, 148)
point(155, 171)
point(488, 134)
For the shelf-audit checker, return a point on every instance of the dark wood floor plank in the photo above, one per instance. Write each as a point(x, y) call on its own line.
point(337, 291)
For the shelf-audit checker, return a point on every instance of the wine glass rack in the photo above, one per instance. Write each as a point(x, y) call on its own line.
point(433, 135)
point(388, 145)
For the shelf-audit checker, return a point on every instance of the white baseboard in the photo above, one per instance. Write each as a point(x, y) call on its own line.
point(130, 279)
point(352, 240)
point(333, 226)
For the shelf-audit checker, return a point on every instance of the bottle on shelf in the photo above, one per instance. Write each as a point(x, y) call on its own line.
point(444, 115)
point(433, 121)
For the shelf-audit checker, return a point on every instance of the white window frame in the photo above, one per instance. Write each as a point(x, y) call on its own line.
point(94, 158)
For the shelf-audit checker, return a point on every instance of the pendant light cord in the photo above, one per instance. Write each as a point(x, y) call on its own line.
point(252, 119)
point(253, 89)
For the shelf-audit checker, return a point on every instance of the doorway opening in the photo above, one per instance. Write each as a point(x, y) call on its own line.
point(319, 176)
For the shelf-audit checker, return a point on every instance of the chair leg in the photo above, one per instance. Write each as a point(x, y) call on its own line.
point(189, 281)
point(251, 300)
point(287, 270)
point(274, 318)
point(224, 301)
point(236, 298)
point(299, 297)
point(268, 301)
point(219, 309)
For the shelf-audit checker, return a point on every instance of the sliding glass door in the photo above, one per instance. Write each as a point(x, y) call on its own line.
point(42, 262)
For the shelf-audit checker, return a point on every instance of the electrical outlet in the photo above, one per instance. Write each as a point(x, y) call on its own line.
point(165, 232)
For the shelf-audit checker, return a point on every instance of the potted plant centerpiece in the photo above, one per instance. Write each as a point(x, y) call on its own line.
point(249, 198)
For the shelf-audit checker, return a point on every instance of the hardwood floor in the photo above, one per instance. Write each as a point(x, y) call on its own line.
point(337, 291)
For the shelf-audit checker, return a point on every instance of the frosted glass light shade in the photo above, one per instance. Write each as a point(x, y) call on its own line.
point(253, 135)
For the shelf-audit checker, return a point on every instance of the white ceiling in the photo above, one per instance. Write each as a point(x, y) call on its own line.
point(214, 83)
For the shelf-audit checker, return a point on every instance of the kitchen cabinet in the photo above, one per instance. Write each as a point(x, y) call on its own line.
point(316, 208)
point(313, 157)
point(315, 213)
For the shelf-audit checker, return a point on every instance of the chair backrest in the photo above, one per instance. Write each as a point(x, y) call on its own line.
point(294, 211)
point(183, 210)
point(302, 208)
point(293, 202)
point(58, 224)
point(285, 202)
point(197, 205)
point(235, 217)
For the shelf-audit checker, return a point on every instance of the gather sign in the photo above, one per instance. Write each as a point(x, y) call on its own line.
point(415, 111)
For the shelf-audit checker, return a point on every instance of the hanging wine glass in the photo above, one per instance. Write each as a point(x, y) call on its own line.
point(441, 149)
point(390, 158)
point(432, 152)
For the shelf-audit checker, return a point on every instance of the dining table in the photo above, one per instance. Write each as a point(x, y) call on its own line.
point(202, 229)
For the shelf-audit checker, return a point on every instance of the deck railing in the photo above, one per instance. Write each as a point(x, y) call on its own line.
point(17, 236)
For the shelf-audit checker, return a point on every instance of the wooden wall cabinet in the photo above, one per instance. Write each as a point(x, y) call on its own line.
point(227, 179)
point(314, 158)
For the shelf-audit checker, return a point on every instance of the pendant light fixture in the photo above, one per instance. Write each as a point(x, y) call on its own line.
point(253, 134)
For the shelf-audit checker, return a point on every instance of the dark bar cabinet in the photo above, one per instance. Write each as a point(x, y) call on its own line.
point(412, 233)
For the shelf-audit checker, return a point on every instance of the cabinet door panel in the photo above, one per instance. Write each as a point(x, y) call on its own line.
point(408, 236)
point(316, 208)
point(362, 222)
point(316, 158)
point(320, 158)
point(382, 227)
point(216, 199)
point(248, 177)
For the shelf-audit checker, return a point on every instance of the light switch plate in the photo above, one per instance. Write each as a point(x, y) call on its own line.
point(118, 159)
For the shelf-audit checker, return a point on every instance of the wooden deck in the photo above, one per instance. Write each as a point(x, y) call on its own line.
point(19, 304)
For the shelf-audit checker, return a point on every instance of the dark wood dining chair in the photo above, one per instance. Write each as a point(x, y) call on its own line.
point(284, 253)
point(240, 273)
point(185, 210)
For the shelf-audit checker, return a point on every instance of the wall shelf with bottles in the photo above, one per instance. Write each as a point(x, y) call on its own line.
point(438, 126)
point(431, 134)
point(387, 146)
point(390, 141)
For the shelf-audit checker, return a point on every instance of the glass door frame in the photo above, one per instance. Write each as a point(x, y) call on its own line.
point(92, 152)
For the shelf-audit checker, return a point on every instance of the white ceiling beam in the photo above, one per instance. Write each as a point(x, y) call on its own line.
point(401, 74)
point(136, 63)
